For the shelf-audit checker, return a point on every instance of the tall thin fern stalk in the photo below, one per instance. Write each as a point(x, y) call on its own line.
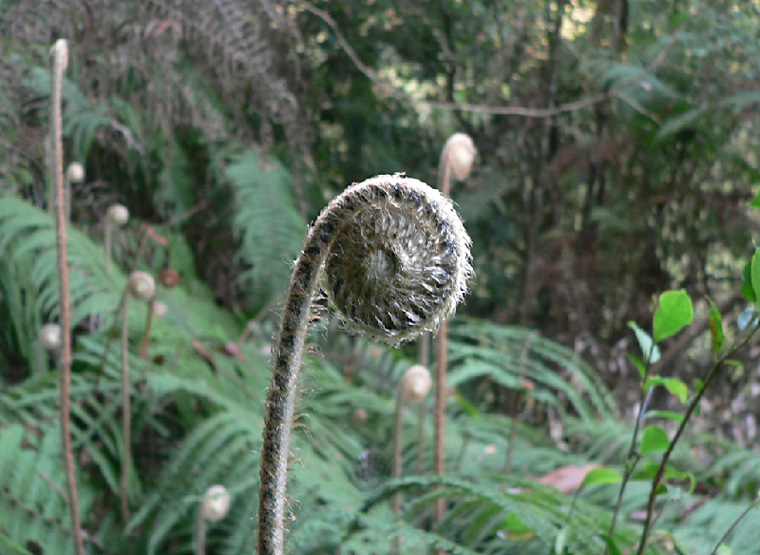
point(457, 157)
point(392, 256)
point(60, 57)
point(142, 286)
point(414, 387)
point(126, 413)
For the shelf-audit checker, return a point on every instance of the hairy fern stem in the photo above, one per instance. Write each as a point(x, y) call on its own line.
point(60, 57)
point(393, 258)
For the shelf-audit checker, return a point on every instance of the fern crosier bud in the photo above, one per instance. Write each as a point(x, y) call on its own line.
point(460, 152)
point(75, 172)
point(142, 286)
point(415, 384)
point(159, 309)
point(118, 215)
point(169, 278)
point(398, 260)
point(216, 503)
point(60, 52)
point(50, 337)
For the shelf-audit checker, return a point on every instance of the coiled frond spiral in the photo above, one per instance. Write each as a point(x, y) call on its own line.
point(400, 267)
point(393, 257)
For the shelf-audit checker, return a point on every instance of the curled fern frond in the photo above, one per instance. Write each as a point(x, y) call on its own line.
point(394, 258)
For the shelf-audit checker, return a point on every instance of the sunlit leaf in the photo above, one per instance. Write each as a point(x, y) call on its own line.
point(747, 290)
point(654, 439)
point(650, 351)
point(716, 327)
point(673, 385)
point(602, 476)
point(674, 312)
point(664, 414)
point(755, 274)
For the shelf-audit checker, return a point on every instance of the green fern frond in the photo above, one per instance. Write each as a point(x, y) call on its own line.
point(267, 223)
point(33, 508)
point(491, 517)
point(510, 355)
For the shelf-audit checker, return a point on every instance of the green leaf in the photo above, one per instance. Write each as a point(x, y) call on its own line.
point(664, 414)
point(654, 439)
point(756, 202)
point(692, 482)
point(650, 351)
point(673, 385)
point(599, 476)
point(614, 549)
point(674, 312)
point(747, 291)
point(639, 364)
point(646, 471)
point(513, 523)
point(716, 327)
point(681, 122)
point(755, 276)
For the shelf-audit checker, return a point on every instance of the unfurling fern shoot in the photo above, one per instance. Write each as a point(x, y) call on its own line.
point(170, 279)
point(142, 287)
point(393, 257)
point(49, 340)
point(414, 388)
point(117, 216)
point(74, 174)
point(156, 309)
point(457, 157)
point(213, 508)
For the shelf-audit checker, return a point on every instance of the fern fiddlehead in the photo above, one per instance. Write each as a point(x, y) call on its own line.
point(393, 257)
point(457, 157)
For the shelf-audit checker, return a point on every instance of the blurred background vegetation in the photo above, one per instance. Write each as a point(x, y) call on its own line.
point(618, 147)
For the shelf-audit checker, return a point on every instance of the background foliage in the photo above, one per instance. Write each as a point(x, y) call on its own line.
point(618, 145)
